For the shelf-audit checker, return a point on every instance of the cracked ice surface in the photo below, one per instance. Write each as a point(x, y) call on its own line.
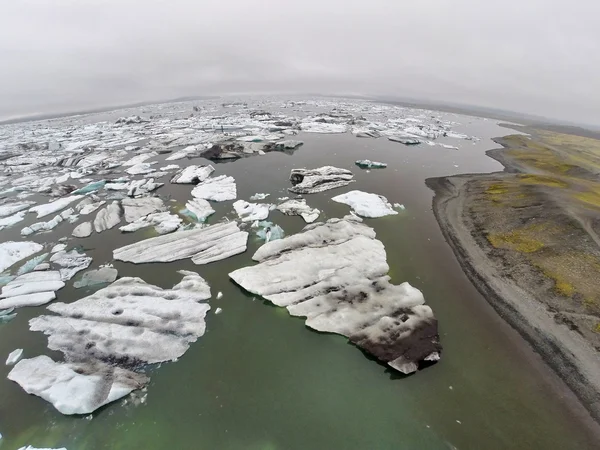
point(321, 274)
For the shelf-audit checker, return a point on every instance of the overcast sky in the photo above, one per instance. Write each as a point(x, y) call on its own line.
point(532, 56)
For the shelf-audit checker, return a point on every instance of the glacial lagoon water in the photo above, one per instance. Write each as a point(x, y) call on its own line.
point(260, 380)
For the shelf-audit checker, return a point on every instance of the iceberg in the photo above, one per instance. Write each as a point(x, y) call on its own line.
point(83, 230)
point(31, 289)
point(52, 207)
point(259, 196)
point(14, 357)
point(320, 273)
point(368, 164)
point(109, 335)
point(31, 264)
point(70, 263)
point(319, 127)
point(365, 204)
point(140, 169)
point(88, 207)
point(406, 140)
point(203, 245)
point(13, 252)
point(108, 217)
point(200, 208)
point(305, 181)
point(218, 189)
point(9, 209)
point(249, 212)
point(192, 174)
point(6, 315)
point(163, 222)
point(142, 187)
point(92, 187)
point(268, 231)
point(7, 222)
point(94, 277)
point(67, 214)
point(299, 208)
point(136, 208)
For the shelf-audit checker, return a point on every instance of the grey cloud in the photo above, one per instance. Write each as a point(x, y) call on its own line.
point(533, 56)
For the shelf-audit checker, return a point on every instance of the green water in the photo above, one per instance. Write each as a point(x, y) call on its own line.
point(259, 379)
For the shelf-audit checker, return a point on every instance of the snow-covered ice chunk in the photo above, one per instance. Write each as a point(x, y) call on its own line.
point(9, 209)
point(249, 212)
point(67, 214)
point(12, 252)
point(108, 217)
point(307, 181)
point(321, 274)
point(100, 276)
point(192, 174)
point(449, 147)
point(31, 289)
point(86, 206)
point(203, 245)
point(365, 204)
point(318, 127)
point(7, 222)
point(218, 189)
point(399, 206)
point(74, 388)
point(20, 301)
point(268, 231)
point(200, 208)
point(83, 230)
point(31, 264)
point(142, 187)
point(52, 207)
point(299, 208)
point(138, 159)
point(137, 208)
point(14, 357)
point(141, 169)
point(406, 140)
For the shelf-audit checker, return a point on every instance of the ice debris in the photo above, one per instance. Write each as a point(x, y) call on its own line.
point(52, 207)
point(31, 289)
point(163, 223)
point(268, 231)
point(108, 217)
point(83, 230)
point(305, 181)
point(32, 264)
point(258, 196)
point(70, 263)
point(136, 208)
point(200, 209)
point(9, 209)
point(321, 274)
point(365, 204)
point(299, 208)
point(406, 140)
point(203, 245)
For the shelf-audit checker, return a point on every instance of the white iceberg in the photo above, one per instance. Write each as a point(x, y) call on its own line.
point(200, 208)
point(249, 212)
point(192, 174)
point(83, 230)
point(163, 222)
point(321, 274)
point(12, 252)
point(203, 245)
point(365, 204)
point(136, 208)
point(52, 207)
point(307, 181)
point(86, 206)
point(7, 222)
point(218, 189)
point(318, 127)
point(14, 357)
point(70, 263)
point(9, 209)
point(259, 196)
point(141, 169)
point(108, 217)
point(299, 208)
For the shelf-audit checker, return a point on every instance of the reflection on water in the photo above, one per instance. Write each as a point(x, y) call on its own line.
point(259, 379)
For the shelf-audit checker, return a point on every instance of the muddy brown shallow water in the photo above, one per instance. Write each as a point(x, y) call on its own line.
point(259, 379)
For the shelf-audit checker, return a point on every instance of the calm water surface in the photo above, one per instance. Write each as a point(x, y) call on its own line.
point(260, 380)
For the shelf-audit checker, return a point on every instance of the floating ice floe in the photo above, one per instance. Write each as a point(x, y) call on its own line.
point(399, 206)
point(268, 231)
point(52, 207)
point(108, 217)
point(450, 147)
point(321, 274)
point(318, 127)
point(138, 159)
point(31, 289)
point(68, 214)
point(6, 315)
point(203, 245)
point(406, 140)
point(288, 144)
point(99, 276)
point(192, 174)
point(87, 206)
point(83, 230)
point(13, 252)
point(258, 196)
point(70, 263)
point(14, 357)
point(367, 133)
point(136, 208)
point(200, 208)
point(163, 222)
point(111, 334)
point(7, 222)
point(32, 264)
point(141, 169)
point(92, 187)
point(249, 212)
point(365, 204)
point(138, 188)
point(299, 208)
point(306, 181)
point(218, 189)
point(8, 209)
point(368, 164)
